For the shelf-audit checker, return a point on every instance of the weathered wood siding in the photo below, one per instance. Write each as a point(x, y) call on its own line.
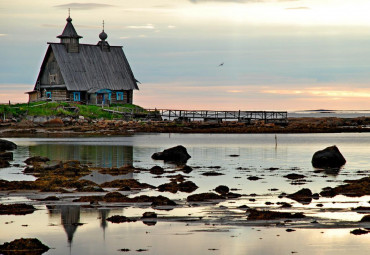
point(56, 94)
point(51, 74)
point(127, 97)
point(34, 96)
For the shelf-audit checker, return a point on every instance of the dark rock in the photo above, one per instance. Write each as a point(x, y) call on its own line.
point(147, 215)
point(90, 189)
point(50, 198)
point(366, 218)
point(253, 178)
point(212, 173)
point(162, 201)
point(91, 199)
point(119, 219)
point(329, 157)
point(294, 176)
point(173, 187)
point(243, 207)
point(204, 197)
point(156, 170)
point(222, 189)
point(328, 192)
point(186, 169)
point(315, 196)
point(187, 186)
point(6, 145)
point(354, 188)
point(359, 231)
point(4, 163)
point(232, 195)
point(271, 215)
point(124, 250)
point(23, 246)
point(6, 155)
point(115, 197)
point(289, 230)
point(284, 204)
point(131, 183)
point(303, 196)
point(36, 159)
point(176, 154)
point(16, 209)
point(361, 208)
point(124, 188)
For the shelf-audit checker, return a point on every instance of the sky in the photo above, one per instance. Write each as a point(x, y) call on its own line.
point(276, 54)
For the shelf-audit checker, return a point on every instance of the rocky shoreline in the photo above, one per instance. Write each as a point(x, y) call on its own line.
point(54, 126)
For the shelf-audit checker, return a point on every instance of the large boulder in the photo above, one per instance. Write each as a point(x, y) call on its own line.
point(6, 145)
point(329, 157)
point(177, 154)
point(30, 246)
point(6, 155)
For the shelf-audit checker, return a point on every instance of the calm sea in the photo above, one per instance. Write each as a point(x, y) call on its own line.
point(258, 155)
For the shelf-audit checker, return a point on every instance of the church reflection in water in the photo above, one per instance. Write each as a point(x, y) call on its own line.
point(94, 155)
point(70, 218)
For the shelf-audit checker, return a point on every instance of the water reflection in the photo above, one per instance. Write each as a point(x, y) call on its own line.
point(99, 178)
point(103, 213)
point(70, 218)
point(96, 155)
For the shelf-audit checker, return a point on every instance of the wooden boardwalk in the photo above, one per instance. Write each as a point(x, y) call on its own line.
point(204, 115)
point(241, 116)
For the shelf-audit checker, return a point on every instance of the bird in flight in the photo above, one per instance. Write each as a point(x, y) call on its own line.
point(221, 64)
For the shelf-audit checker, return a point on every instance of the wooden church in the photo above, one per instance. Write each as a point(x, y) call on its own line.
point(86, 73)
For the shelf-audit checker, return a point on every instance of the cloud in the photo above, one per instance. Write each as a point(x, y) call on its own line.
point(240, 1)
point(83, 6)
point(147, 26)
point(298, 8)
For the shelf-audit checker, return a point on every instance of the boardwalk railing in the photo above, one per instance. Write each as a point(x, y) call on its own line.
point(241, 116)
point(203, 115)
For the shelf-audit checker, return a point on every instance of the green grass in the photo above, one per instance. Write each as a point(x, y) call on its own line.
point(64, 110)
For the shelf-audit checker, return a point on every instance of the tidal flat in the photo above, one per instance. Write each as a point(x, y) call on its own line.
point(255, 166)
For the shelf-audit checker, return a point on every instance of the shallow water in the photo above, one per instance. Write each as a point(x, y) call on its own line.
point(257, 154)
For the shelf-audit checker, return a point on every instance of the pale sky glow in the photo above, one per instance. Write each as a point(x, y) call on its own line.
point(277, 55)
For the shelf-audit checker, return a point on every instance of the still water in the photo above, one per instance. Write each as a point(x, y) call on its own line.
point(58, 225)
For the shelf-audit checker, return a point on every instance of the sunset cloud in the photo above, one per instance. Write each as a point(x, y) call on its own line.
point(147, 26)
point(298, 8)
point(83, 6)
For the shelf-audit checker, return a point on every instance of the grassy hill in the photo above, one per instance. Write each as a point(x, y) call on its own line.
point(65, 110)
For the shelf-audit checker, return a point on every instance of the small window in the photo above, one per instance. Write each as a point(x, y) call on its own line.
point(119, 96)
point(76, 96)
point(48, 95)
point(53, 78)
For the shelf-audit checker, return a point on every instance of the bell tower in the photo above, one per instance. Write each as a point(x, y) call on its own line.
point(69, 37)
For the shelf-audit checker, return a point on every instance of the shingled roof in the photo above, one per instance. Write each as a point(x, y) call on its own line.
point(92, 68)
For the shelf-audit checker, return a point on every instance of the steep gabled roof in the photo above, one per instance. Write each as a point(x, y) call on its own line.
point(92, 68)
